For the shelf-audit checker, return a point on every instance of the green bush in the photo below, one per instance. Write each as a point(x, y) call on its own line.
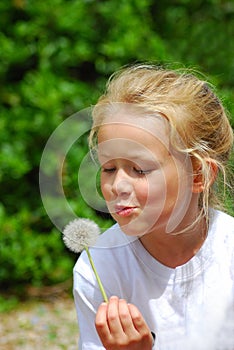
point(55, 58)
point(28, 257)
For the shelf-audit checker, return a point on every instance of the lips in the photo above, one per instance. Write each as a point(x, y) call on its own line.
point(124, 210)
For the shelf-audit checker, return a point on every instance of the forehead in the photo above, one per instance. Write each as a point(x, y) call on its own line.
point(133, 139)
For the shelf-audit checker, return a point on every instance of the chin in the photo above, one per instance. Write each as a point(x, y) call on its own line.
point(135, 229)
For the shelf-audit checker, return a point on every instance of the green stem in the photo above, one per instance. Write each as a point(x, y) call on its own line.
point(97, 276)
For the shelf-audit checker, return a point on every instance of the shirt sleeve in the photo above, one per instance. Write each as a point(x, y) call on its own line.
point(87, 298)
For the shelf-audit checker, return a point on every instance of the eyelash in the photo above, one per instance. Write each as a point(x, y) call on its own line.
point(141, 172)
point(138, 171)
point(108, 170)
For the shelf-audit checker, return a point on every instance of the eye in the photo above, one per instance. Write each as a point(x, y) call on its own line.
point(141, 171)
point(108, 170)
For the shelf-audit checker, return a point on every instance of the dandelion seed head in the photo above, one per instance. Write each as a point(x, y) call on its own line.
point(80, 233)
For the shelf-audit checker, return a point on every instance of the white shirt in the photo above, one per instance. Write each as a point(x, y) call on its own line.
point(190, 307)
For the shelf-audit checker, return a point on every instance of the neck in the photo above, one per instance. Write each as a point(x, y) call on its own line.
point(174, 250)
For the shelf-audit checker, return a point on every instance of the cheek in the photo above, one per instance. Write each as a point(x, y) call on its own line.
point(106, 187)
point(156, 189)
point(142, 191)
point(172, 185)
point(178, 183)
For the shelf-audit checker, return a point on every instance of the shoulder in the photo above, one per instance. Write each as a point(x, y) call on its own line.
point(111, 255)
point(222, 221)
point(221, 228)
point(221, 234)
point(109, 251)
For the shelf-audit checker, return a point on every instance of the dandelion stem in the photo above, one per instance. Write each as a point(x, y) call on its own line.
point(97, 276)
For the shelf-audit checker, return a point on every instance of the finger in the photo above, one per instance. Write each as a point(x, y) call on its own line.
point(138, 320)
point(141, 326)
point(113, 317)
point(125, 318)
point(101, 323)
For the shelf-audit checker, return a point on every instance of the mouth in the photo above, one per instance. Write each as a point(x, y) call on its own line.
point(124, 211)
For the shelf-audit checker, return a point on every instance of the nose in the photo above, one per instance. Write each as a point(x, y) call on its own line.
point(122, 185)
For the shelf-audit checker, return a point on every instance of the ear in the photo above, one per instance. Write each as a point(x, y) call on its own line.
point(211, 168)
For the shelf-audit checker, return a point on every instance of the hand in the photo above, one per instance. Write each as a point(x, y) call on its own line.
point(121, 326)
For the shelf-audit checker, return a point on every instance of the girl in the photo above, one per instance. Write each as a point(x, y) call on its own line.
point(162, 138)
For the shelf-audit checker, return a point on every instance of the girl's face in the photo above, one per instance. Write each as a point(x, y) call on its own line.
point(145, 184)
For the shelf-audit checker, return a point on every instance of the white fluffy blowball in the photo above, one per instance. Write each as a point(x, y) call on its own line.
point(80, 234)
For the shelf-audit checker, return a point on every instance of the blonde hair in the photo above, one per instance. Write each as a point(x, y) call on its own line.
point(190, 105)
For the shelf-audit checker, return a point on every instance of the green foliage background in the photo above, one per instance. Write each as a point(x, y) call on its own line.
point(55, 57)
